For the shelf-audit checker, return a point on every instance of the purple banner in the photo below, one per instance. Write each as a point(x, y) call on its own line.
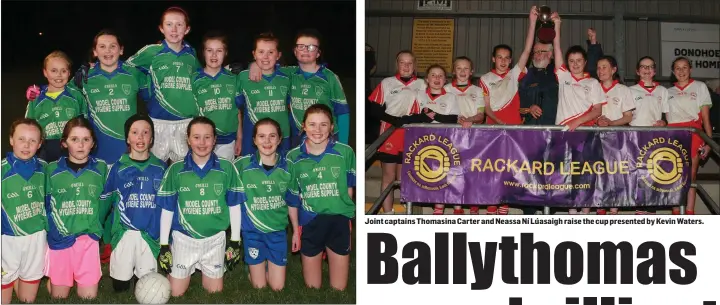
point(549, 168)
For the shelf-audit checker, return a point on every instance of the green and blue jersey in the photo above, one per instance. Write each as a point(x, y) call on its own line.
point(200, 197)
point(73, 203)
point(170, 76)
point(264, 208)
point(319, 184)
point(23, 196)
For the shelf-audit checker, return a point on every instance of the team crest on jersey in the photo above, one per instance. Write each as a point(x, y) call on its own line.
point(693, 96)
point(92, 189)
point(282, 186)
point(283, 90)
point(156, 183)
point(230, 88)
point(253, 252)
point(335, 171)
point(126, 88)
point(218, 187)
point(70, 112)
point(318, 90)
point(616, 101)
point(41, 189)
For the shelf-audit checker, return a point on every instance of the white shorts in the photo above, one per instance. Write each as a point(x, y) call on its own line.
point(23, 257)
point(132, 256)
point(226, 151)
point(206, 255)
point(170, 139)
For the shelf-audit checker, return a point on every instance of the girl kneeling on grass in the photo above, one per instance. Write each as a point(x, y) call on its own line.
point(264, 211)
point(131, 188)
point(323, 178)
point(73, 206)
point(23, 215)
point(200, 197)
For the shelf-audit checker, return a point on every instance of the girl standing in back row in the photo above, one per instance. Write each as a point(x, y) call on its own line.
point(170, 65)
point(689, 106)
point(217, 96)
point(650, 103)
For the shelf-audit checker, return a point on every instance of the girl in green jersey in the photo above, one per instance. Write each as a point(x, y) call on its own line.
point(24, 238)
point(323, 179)
point(216, 92)
point(74, 209)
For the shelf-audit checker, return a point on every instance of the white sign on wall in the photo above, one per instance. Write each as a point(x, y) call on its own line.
point(434, 5)
point(698, 42)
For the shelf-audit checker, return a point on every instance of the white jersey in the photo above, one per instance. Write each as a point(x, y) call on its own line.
point(470, 100)
point(445, 103)
point(685, 103)
point(576, 96)
point(399, 98)
point(619, 100)
point(502, 88)
point(650, 104)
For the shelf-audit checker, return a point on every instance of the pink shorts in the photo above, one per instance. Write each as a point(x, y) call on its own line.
point(79, 263)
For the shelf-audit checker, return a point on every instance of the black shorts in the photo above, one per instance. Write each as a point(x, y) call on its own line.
point(50, 150)
point(331, 231)
point(388, 158)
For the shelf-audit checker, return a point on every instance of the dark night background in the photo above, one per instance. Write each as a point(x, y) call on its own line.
point(71, 27)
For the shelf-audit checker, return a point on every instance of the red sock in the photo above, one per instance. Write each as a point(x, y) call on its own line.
point(676, 212)
point(689, 212)
point(601, 212)
point(504, 209)
point(474, 210)
point(439, 211)
point(458, 212)
point(492, 210)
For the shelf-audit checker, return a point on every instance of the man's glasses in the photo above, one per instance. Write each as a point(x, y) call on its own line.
point(303, 47)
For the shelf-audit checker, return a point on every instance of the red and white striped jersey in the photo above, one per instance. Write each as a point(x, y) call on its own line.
point(399, 98)
point(619, 100)
point(502, 88)
point(650, 104)
point(576, 96)
point(685, 103)
point(445, 103)
point(470, 100)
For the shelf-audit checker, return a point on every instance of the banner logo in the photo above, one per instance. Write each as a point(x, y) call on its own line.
point(664, 164)
point(432, 158)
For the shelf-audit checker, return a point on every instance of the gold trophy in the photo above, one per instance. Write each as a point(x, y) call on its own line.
point(546, 27)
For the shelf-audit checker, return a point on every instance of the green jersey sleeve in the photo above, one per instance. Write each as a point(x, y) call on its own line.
point(30, 110)
point(167, 196)
point(292, 195)
point(80, 98)
point(337, 95)
point(143, 58)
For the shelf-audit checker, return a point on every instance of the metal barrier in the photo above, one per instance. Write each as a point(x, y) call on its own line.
point(701, 192)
